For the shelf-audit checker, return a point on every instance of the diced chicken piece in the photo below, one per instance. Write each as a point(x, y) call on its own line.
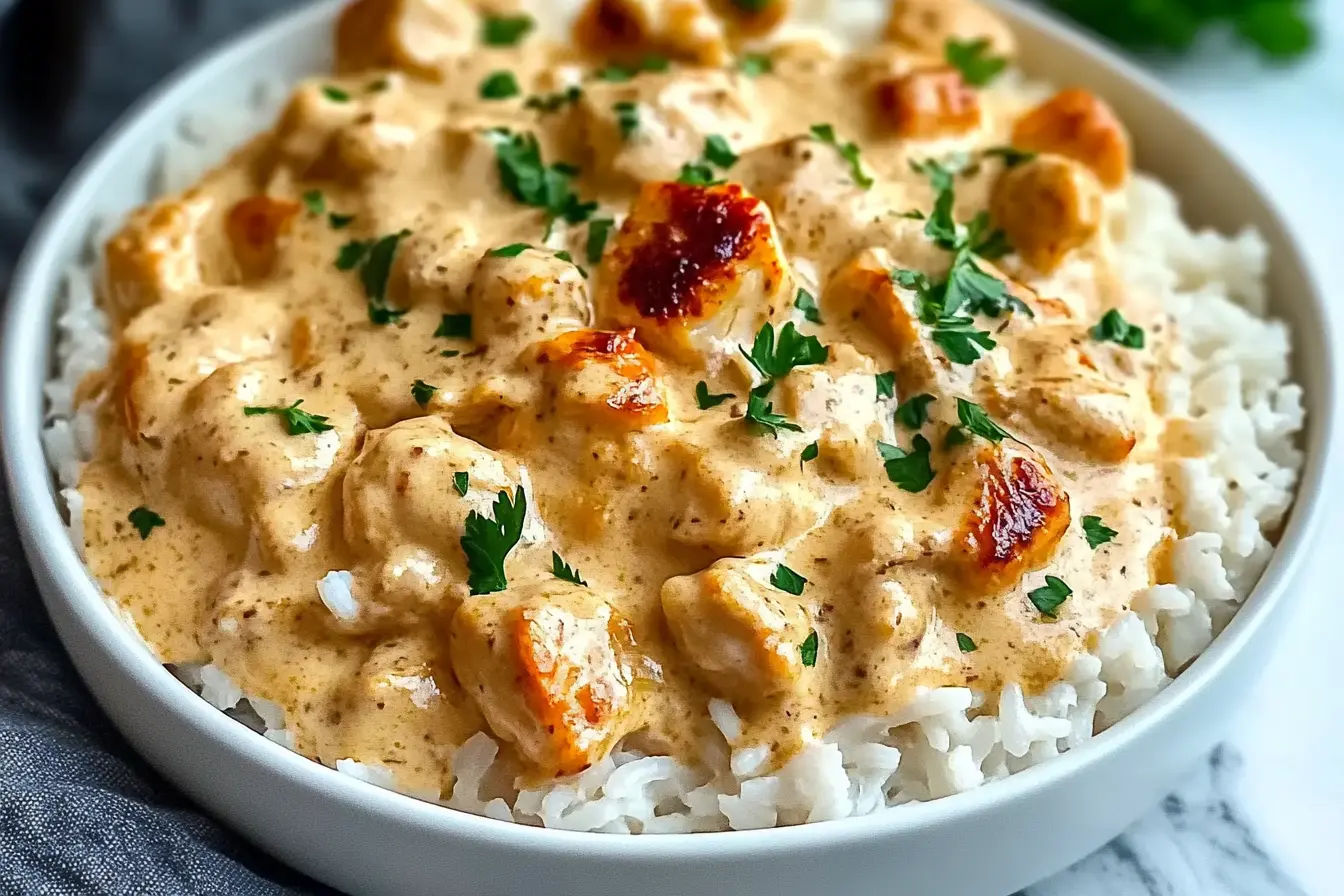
point(927, 26)
point(1079, 125)
point(929, 103)
point(417, 36)
point(438, 262)
point(378, 143)
point(305, 135)
point(535, 294)
point(160, 254)
point(1048, 207)
point(633, 29)
point(752, 18)
point(1017, 513)
point(552, 667)
point(674, 115)
point(693, 268)
point(239, 471)
point(839, 400)
point(606, 377)
point(1080, 393)
point(740, 633)
point(255, 227)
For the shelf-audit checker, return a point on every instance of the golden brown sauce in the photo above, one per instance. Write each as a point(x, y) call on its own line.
point(230, 297)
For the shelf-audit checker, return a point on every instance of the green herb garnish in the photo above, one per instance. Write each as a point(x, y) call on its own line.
point(297, 422)
point(965, 643)
point(487, 542)
point(422, 392)
point(339, 222)
point(505, 31)
point(1047, 598)
point(454, 326)
point(335, 94)
point(886, 384)
point(553, 102)
point(761, 413)
point(501, 85)
point(1114, 328)
point(719, 153)
point(315, 202)
point(807, 651)
point(461, 480)
point(787, 580)
point(848, 151)
point(974, 419)
point(698, 174)
point(562, 570)
point(531, 182)
point(599, 229)
point(807, 303)
point(973, 59)
point(810, 452)
point(512, 250)
point(704, 400)
point(794, 350)
point(910, 470)
point(627, 118)
point(753, 65)
point(145, 521)
point(914, 411)
point(1096, 532)
point(1012, 157)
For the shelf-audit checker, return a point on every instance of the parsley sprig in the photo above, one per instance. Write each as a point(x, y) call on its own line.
point(911, 470)
point(373, 259)
point(1096, 532)
point(849, 151)
point(488, 541)
point(562, 570)
point(1048, 598)
point(145, 521)
point(532, 182)
point(793, 350)
point(297, 422)
point(716, 154)
point(761, 413)
point(1114, 328)
point(973, 59)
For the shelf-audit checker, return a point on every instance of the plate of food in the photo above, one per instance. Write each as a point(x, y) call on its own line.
point(818, 442)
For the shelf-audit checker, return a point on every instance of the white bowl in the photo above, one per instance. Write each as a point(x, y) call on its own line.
point(986, 842)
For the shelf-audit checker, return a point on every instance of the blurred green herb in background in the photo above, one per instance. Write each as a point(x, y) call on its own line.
point(1280, 29)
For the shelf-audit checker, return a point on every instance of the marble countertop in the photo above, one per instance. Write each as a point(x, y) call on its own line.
point(1265, 815)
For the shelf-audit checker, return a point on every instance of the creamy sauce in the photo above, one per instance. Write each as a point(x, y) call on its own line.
point(222, 300)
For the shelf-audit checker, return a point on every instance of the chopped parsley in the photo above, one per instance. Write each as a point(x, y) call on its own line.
point(377, 86)
point(1048, 597)
point(974, 419)
point(349, 256)
point(562, 570)
point(886, 384)
point(848, 151)
point(627, 118)
point(1114, 328)
point(787, 580)
point(973, 59)
point(704, 400)
point(718, 152)
point(315, 202)
point(487, 542)
point(794, 350)
point(454, 326)
point(564, 255)
point(761, 413)
point(512, 250)
point(145, 521)
point(698, 174)
point(461, 480)
point(955, 436)
point(553, 102)
point(965, 643)
point(501, 85)
point(374, 261)
point(807, 303)
point(910, 470)
point(914, 411)
point(505, 31)
point(753, 65)
point(423, 392)
point(335, 94)
point(599, 229)
point(449, 353)
point(339, 222)
point(810, 452)
point(961, 341)
point(1012, 156)
point(1097, 532)
point(807, 651)
point(619, 74)
point(534, 183)
point(297, 422)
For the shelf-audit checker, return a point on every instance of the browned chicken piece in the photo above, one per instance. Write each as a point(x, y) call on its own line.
point(417, 36)
point(929, 103)
point(159, 254)
point(306, 132)
point(1048, 207)
point(1079, 125)
point(740, 633)
point(692, 265)
point(1079, 393)
point(256, 226)
point(631, 30)
point(553, 669)
point(518, 300)
point(1017, 511)
point(751, 18)
point(606, 377)
point(927, 26)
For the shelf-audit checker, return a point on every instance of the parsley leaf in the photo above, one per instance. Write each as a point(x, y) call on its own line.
point(505, 31)
point(974, 419)
point(1114, 328)
point(449, 353)
point(718, 152)
point(794, 350)
point(454, 326)
point(315, 202)
point(297, 422)
point(704, 400)
point(627, 117)
point(787, 580)
point(619, 74)
point(335, 94)
point(914, 411)
point(965, 643)
point(973, 60)
point(960, 341)
point(1047, 598)
point(512, 250)
point(422, 392)
point(534, 183)
point(553, 102)
point(753, 65)
point(352, 254)
point(500, 85)
point(145, 521)
point(848, 151)
point(1011, 155)
point(487, 542)
point(807, 303)
point(1281, 30)
point(1097, 532)
point(761, 413)
point(886, 384)
point(599, 229)
point(374, 261)
point(910, 470)
point(562, 570)
point(698, 174)
point(810, 452)
point(339, 222)
point(955, 436)
point(807, 651)
point(461, 480)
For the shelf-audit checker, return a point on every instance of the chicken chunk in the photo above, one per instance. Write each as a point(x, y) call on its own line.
point(1048, 207)
point(740, 633)
point(520, 299)
point(606, 377)
point(927, 26)
point(839, 402)
point(417, 36)
point(673, 115)
point(161, 253)
point(553, 669)
point(634, 29)
point(1079, 125)
point(255, 227)
point(693, 267)
point(929, 103)
point(306, 132)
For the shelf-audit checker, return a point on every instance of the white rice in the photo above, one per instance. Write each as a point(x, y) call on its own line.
point(1231, 382)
